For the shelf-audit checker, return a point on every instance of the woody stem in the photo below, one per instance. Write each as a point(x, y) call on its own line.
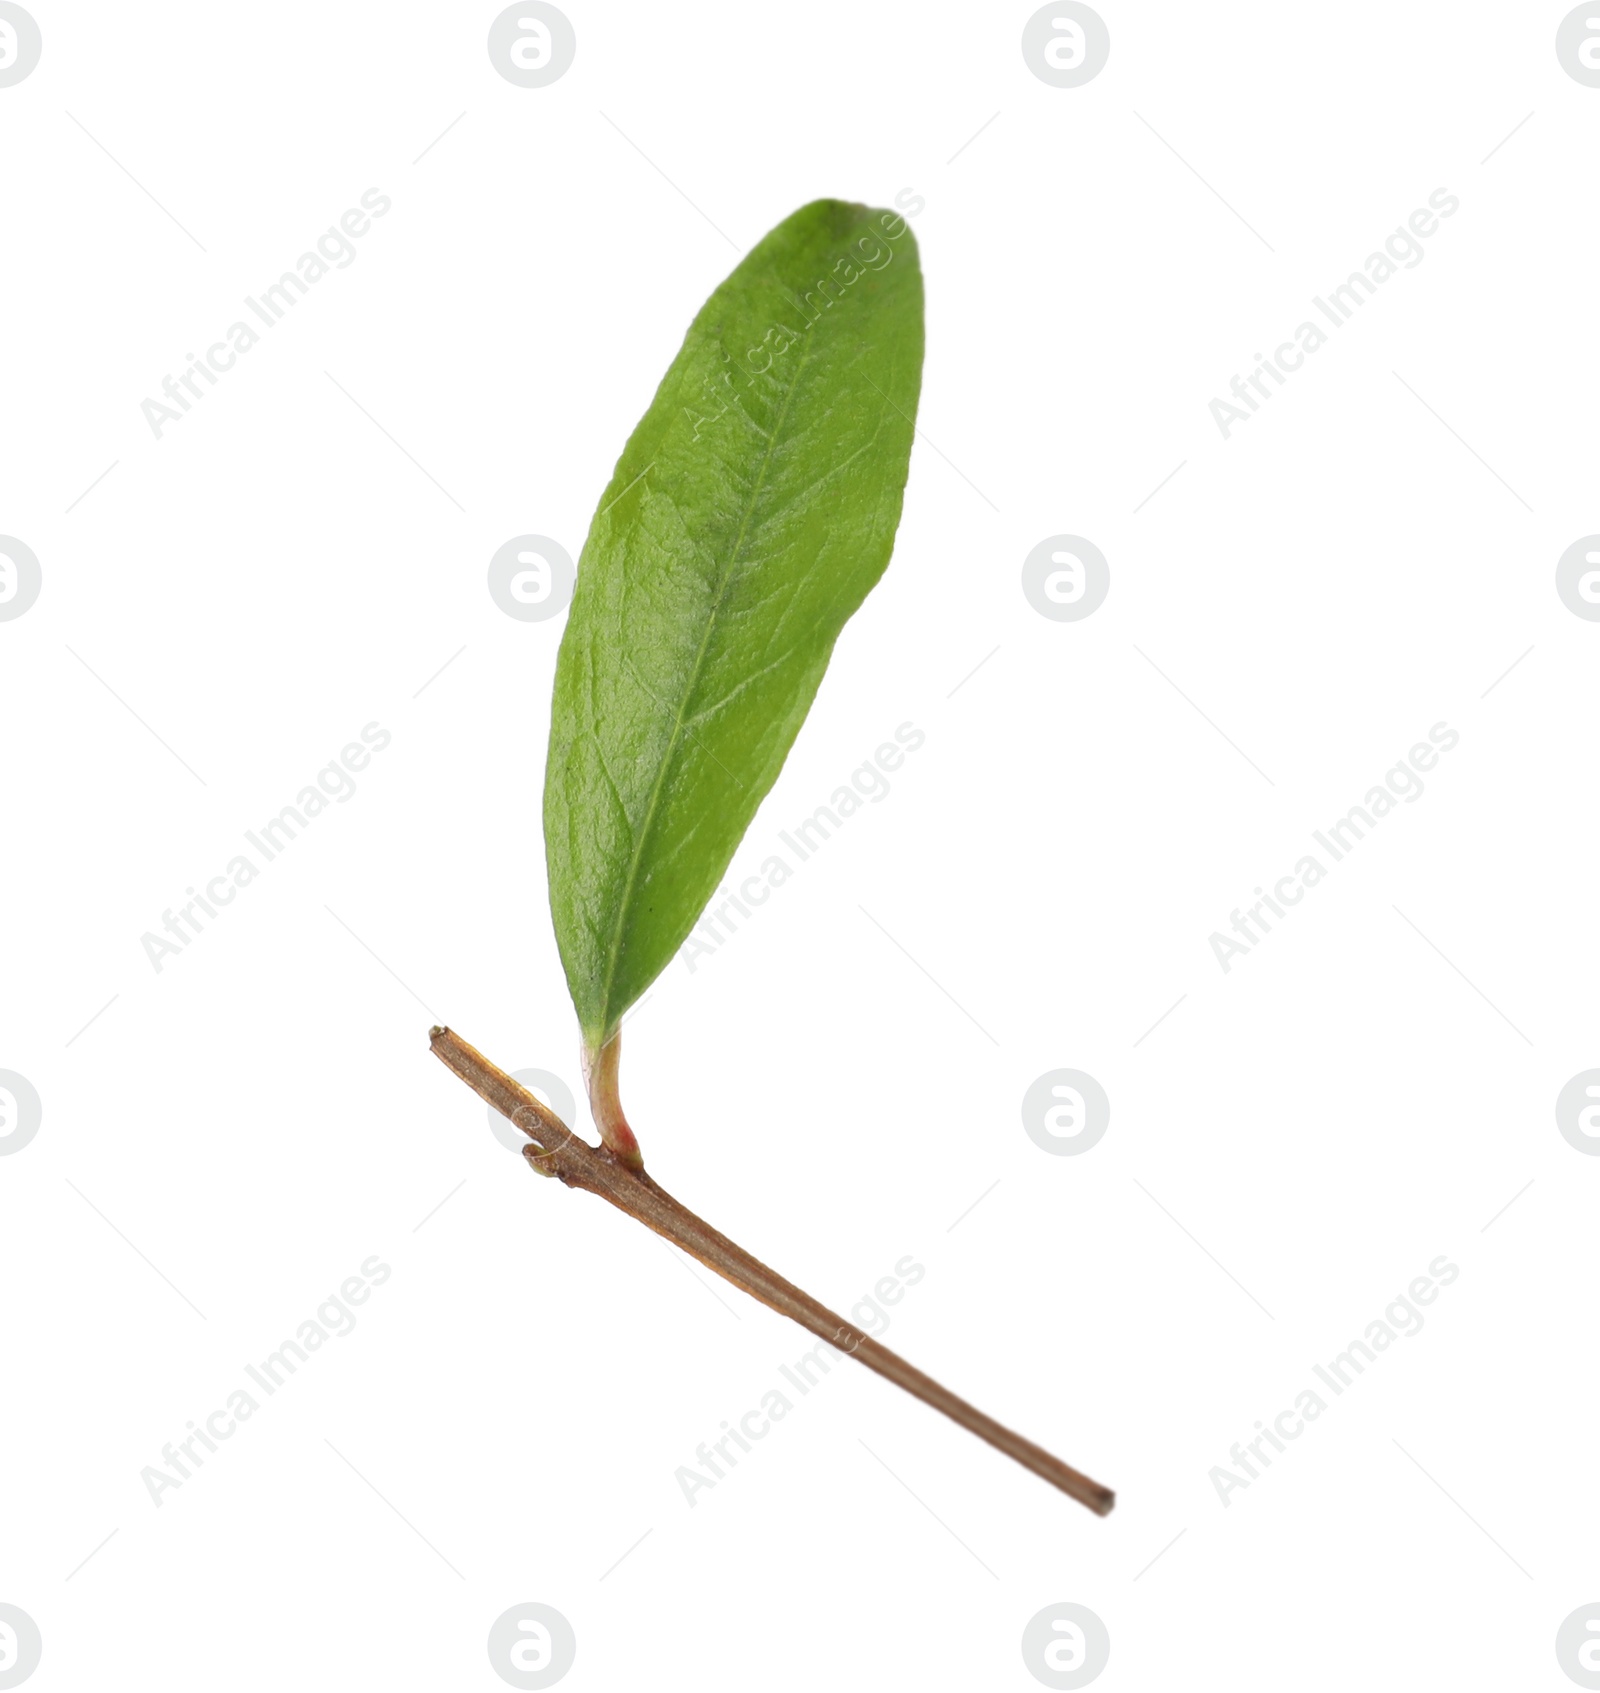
point(555, 1150)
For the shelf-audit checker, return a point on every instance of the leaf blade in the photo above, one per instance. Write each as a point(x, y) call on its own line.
point(753, 508)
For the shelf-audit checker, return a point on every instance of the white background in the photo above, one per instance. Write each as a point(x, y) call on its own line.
point(1364, 1092)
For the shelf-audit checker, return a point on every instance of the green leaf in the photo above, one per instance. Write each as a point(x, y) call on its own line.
point(752, 510)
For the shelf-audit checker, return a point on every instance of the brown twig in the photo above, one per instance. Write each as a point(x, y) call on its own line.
point(554, 1150)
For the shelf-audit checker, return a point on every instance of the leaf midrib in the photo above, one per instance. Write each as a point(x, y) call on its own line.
point(614, 951)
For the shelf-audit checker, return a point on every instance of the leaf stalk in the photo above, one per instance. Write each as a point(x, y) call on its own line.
point(605, 1102)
